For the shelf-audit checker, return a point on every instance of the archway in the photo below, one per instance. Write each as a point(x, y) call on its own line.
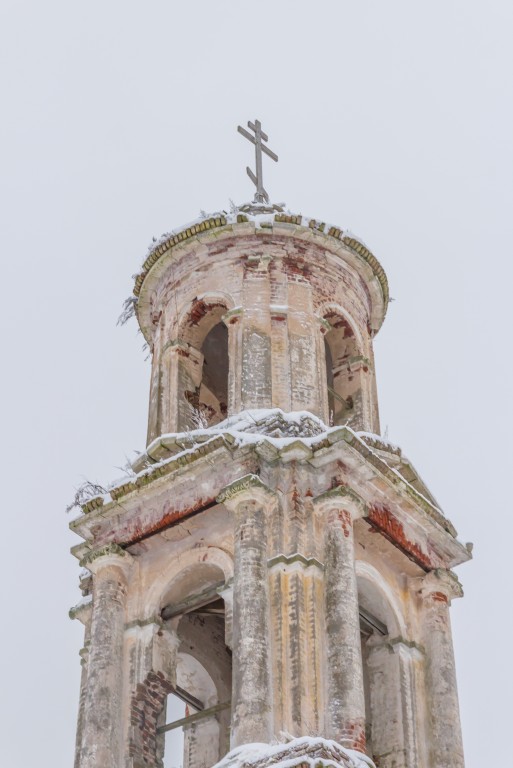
point(386, 692)
point(205, 364)
point(343, 372)
point(192, 604)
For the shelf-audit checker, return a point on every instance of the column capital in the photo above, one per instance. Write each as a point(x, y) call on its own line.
point(247, 488)
point(441, 585)
point(108, 556)
point(341, 497)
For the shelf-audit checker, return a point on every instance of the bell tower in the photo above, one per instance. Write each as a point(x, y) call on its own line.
point(272, 562)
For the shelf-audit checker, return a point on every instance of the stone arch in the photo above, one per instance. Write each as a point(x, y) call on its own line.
point(177, 568)
point(200, 314)
point(199, 658)
point(376, 594)
point(345, 366)
point(333, 308)
point(387, 677)
point(205, 359)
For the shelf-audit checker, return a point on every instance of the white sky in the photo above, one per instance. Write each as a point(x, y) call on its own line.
point(118, 123)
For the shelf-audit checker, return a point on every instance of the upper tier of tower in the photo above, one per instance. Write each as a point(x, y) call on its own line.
point(260, 308)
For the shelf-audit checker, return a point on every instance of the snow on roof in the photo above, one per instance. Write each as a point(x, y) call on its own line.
point(273, 426)
point(261, 216)
point(309, 750)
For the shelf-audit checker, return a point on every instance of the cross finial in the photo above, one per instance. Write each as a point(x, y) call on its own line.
point(261, 195)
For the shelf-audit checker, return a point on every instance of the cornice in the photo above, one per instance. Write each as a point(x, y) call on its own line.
point(285, 224)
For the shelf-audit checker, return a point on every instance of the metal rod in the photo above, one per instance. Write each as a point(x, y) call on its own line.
point(198, 600)
point(372, 623)
point(338, 397)
point(189, 699)
point(193, 718)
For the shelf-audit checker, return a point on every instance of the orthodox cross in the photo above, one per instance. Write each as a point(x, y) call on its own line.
point(261, 195)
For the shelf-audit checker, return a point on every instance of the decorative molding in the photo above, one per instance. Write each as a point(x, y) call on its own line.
point(109, 554)
point(441, 585)
point(299, 223)
point(339, 497)
point(246, 488)
point(295, 559)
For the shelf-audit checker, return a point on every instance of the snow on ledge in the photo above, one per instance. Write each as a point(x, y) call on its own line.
point(306, 750)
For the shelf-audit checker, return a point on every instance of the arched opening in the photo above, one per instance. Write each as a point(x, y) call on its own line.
point(382, 677)
point(344, 366)
point(213, 391)
point(194, 724)
point(205, 365)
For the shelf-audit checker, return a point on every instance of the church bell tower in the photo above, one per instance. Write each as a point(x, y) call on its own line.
point(273, 564)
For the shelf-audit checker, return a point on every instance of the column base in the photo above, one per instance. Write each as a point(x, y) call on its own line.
point(304, 752)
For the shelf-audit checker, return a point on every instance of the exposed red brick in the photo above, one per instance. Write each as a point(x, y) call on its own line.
point(353, 736)
point(199, 309)
point(384, 521)
point(147, 705)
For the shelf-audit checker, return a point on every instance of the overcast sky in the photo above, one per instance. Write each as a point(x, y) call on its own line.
point(118, 122)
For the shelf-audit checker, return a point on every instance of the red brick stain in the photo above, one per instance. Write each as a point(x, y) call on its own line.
point(296, 266)
point(137, 530)
point(353, 736)
point(384, 521)
point(199, 309)
point(337, 322)
point(346, 522)
point(439, 597)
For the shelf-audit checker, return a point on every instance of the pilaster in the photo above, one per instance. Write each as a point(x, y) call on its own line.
point(101, 724)
point(233, 321)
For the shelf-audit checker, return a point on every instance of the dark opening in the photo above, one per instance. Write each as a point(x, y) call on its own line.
point(213, 394)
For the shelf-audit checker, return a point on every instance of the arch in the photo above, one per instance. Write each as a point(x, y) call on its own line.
point(185, 562)
point(382, 628)
point(200, 314)
point(376, 594)
point(203, 381)
point(345, 363)
point(200, 670)
point(333, 308)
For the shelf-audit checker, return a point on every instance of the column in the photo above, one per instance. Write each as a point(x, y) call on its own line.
point(346, 699)
point(82, 612)
point(323, 328)
point(446, 748)
point(250, 500)
point(101, 723)
point(181, 372)
point(232, 320)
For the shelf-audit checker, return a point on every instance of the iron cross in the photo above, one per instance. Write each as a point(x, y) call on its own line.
point(261, 195)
